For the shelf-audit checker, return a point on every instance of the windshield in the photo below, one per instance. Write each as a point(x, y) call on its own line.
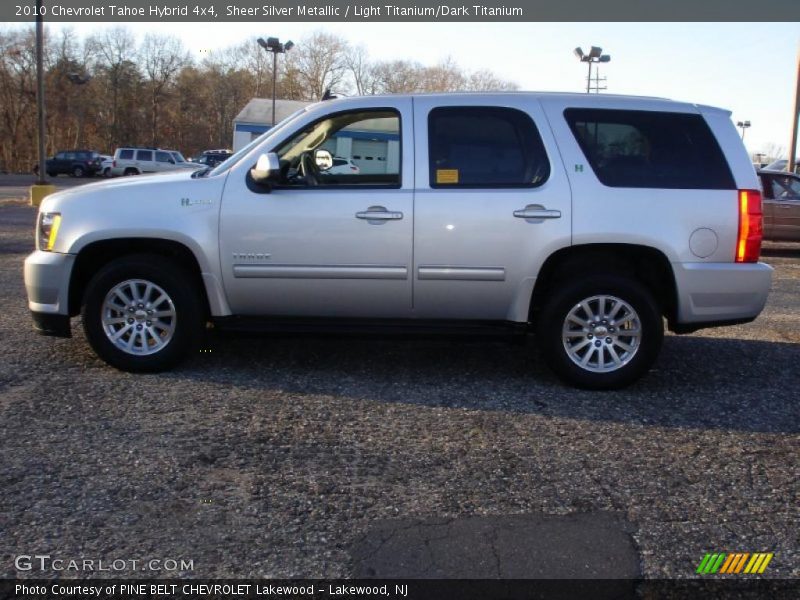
point(235, 158)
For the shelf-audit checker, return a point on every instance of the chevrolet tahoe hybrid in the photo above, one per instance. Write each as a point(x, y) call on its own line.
point(590, 221)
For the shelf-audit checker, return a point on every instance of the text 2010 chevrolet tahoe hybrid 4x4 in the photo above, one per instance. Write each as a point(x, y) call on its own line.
point(585, 219)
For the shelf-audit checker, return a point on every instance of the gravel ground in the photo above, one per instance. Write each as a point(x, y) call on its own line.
point(269, 457)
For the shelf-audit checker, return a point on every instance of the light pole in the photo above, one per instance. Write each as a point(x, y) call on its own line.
point(275, 46)
point(40, 188)
point(743, 125)
point(595, 55)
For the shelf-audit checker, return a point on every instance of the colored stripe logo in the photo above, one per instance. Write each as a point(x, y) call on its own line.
point(735, 563)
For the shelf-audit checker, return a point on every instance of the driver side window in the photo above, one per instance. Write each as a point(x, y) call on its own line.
point(355, 148)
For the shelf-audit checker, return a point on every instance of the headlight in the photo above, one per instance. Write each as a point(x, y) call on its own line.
point(48, 229)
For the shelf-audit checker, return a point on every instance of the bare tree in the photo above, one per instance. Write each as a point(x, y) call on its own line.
point(398, 77)
point(486, 81)
point(113, 50)
point(162, 57)
point(362, 71)
point(320, 63)
point(774, 151)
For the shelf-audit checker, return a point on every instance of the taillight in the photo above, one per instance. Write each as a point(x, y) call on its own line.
point(748, 242)
point(114, 163)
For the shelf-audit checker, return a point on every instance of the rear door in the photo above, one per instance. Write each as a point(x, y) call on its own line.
point(492, 202)
point(144, 161)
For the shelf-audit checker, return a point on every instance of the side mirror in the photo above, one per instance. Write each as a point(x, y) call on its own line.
point(323, 159)
point(268, 167)
point(172, 161)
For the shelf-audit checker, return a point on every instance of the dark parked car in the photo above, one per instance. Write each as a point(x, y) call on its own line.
point(78, 163)
point(211, 158)
point(781, 205)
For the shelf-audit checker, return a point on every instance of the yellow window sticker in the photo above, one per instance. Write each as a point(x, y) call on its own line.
point(446, 175)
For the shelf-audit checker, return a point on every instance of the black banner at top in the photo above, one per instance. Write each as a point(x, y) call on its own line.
point(395, 10)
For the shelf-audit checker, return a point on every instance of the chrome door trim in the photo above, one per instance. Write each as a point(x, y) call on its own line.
point(319, 272)
point(448, 273)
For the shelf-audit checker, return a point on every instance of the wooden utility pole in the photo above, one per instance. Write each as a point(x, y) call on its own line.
point(790, 164)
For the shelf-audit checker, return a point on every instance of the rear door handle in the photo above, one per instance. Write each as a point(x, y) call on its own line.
point(537, 211)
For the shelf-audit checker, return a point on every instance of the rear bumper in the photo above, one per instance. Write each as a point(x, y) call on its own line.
point(716, 294)
point(47, 276)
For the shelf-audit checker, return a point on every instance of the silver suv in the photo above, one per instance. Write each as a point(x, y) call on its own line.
point(587, 220)
point(136, 161)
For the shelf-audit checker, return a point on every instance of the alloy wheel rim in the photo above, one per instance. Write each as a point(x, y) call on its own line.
point(602, 333)
point(138, 317)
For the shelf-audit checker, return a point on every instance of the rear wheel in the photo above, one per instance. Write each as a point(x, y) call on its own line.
point(129, 172)
point(600, 332)
point(107, 172)
point(142, 313)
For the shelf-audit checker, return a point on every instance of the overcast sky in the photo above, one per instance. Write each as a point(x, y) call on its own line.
point(748, 68)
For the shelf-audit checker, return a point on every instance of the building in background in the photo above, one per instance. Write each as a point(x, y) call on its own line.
point(256, 118)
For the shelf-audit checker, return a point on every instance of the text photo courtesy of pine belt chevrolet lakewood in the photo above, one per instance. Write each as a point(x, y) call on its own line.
point(588, 221)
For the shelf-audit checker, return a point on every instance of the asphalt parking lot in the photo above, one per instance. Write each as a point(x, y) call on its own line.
point(311, 457)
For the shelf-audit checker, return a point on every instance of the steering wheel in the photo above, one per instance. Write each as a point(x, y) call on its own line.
point(309, 168)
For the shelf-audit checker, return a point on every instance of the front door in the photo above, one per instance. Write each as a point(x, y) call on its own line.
point(324, 244)
point(492, 201)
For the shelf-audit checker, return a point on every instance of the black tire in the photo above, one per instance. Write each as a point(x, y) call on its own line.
point(186, 300)
point(130, 172)
point(566, 298)
point(52, 174)
point(78, 171)
point(107, 172)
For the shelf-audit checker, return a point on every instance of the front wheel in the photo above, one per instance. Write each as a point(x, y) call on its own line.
point(600, 332)
point(78, 171)
point(142, 313)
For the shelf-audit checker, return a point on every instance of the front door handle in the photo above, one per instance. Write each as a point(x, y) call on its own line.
point(537, 211)
point(379, 213)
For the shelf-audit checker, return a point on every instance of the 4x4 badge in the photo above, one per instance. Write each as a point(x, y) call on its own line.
point(579, 168)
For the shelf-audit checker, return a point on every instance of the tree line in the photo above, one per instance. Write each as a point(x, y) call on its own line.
point(111, 89)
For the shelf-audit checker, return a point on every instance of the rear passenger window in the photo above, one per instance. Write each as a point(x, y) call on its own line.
point(477, 146)
point(126, 154)
point(144, 155)
point(648, 149)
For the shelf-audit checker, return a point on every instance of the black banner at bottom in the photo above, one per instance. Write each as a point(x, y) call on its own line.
point(406, 589)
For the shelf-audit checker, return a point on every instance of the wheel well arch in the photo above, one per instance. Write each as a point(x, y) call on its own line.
point(646, 264)
point(96, 255)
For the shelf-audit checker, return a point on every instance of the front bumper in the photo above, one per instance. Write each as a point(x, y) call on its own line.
point(715, 294)
point(47, 276)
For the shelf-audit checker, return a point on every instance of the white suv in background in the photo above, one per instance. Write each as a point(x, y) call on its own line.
point(135, 161)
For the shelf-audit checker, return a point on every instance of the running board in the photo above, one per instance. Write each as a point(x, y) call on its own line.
point(393, 327)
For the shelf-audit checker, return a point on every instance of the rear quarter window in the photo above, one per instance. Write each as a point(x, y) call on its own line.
point(650, 149)
point(126, 154)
